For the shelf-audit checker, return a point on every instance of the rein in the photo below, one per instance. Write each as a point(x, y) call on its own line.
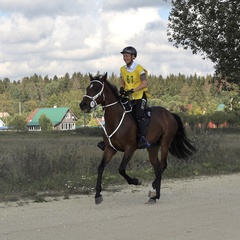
point(119, 124)
point(94, 104)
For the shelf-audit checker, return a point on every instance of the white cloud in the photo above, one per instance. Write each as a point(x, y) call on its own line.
point(54, 37)
point(128, 24)
point(120, 5)
point(37, 8)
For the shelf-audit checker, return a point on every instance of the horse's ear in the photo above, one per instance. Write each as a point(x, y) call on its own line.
point(104, 77)
point(90, 76)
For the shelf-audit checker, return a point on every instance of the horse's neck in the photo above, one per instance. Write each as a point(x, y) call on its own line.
point(113, 111)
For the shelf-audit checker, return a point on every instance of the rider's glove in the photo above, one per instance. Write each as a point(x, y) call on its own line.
point(129, 92)
point(122, 91)
point(125, 93)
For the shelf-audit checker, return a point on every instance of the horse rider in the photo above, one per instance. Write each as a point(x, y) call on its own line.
point(133, 83)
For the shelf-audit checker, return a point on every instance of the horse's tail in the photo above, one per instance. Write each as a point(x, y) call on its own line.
point(181, 147)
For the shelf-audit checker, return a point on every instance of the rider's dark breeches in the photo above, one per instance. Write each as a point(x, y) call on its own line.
point(139, 108)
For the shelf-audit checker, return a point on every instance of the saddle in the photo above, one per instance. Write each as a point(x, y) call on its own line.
point(128, 105)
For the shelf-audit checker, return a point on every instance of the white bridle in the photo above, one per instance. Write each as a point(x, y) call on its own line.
point(93, 104)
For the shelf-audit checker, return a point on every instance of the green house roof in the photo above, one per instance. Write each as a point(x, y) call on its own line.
point(54, 114)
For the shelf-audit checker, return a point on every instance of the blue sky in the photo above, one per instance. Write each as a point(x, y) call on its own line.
point(54, 37)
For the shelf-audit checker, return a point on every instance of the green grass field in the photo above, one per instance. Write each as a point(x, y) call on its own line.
point(62, 163)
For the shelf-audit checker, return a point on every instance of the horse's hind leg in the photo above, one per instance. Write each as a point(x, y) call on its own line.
point(159, 168)
point(164, 154)
point(156, 184)
point(122, 168)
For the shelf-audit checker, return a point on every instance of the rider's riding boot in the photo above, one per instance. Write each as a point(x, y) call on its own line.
point(101, 145)
point(142, 143)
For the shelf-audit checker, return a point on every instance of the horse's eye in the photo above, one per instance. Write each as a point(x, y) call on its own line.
point(90, 86)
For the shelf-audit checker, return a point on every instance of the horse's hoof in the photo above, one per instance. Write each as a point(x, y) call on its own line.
point(98, 200)
point(135, 181)
point(151, 200)
point(152, 193)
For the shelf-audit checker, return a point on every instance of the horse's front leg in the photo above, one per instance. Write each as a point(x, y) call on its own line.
point(122, 168)
point(98, 196)
point(107, 156)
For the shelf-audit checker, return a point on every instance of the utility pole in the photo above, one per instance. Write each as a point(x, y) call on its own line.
point(19, 108)
point(84, 119)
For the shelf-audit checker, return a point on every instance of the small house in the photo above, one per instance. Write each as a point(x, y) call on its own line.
point(2, 125)
point(62, 118)
point(4, 114)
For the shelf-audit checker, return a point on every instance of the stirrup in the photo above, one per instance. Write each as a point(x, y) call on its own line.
point(101, 145)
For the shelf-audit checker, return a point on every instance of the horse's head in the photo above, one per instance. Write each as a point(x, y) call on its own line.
point(94, 93)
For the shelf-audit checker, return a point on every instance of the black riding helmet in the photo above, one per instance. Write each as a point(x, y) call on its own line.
point(130, 50)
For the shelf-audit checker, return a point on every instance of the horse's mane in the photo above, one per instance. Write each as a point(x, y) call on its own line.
point(113, 88)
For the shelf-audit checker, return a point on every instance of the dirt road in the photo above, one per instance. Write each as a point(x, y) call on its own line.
point(201, 208)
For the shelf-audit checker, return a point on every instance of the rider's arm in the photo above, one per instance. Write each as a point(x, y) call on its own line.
point(143, 84)
point(122, 83)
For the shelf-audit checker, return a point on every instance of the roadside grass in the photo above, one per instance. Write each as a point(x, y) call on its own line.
point(37, 165)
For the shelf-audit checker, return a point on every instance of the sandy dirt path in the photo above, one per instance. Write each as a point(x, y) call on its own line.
point(200, 208)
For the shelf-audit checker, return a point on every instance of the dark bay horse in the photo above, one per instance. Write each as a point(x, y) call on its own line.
point(164, 131)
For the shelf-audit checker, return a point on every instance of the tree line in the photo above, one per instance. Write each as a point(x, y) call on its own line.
point(191, 95)
point(209, 28)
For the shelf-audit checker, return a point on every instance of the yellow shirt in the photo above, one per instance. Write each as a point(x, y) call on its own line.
point(132, 80)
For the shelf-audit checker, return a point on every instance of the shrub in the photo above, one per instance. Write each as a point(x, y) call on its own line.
point(18, 123)
point(45, 123)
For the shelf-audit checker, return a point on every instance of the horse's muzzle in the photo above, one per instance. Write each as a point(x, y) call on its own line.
point(85, 107)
